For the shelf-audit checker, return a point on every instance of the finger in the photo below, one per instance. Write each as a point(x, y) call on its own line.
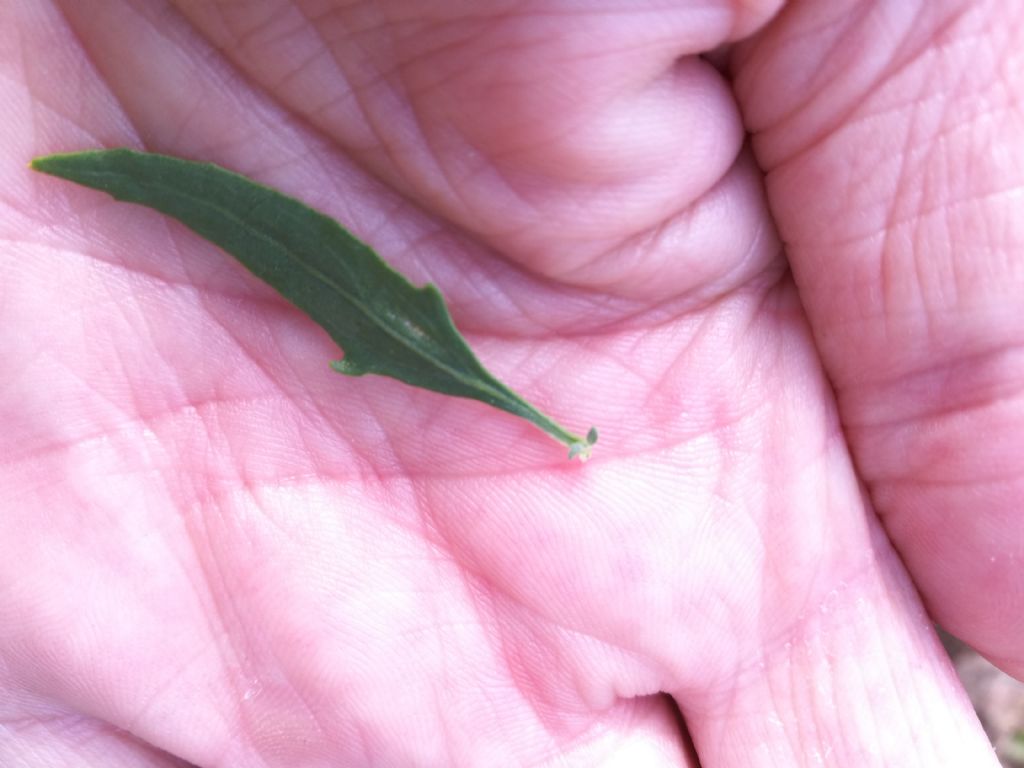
point(861, 680)
point(176, 93)
point(558, 133)
point(891, 137)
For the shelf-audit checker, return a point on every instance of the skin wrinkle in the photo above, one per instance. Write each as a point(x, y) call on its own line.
point(150, 420)
point(890, 669)
point(312, 708)
point(9, 207)
point(681, 360)
point(817, 726)
point(81, 732)
point(951, 204)
point(401, 67)
point(825, 132)
point(122, 365)
point(26, 68)
point(309, 402)
point(129, 268)
point(555, 620)
point(288, 76)
point(93, 66)
point(264, 32)
point(707, 328)
point(120, 728)
point(422, 241)
point(993, 394)
point(489, 619)
point(812, 91)
point(184, 116)
point(454, 188)
point(349, 95)
point(651, 237)
point(356, 90)
point(229, 646)
point(85, 386)
point(269, 376)
point(366, 466)
point(445, 680)
point(320, 468)
point(808, 92)
point(938, 287)
point(889, 488)
point(901, 184)
point(150, 333)
point(493, 169)
point(247, 651)
point(811, 706)
point(176, 671)
point(298, 479)
point(552, 716)
point(170, 25)
point(1003, 388)
point(208, 55)
point(903, 59)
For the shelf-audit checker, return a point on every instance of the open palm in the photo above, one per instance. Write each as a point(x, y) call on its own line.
point(216, 551)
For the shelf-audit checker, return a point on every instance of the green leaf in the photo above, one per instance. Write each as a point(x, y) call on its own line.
point(384, 324)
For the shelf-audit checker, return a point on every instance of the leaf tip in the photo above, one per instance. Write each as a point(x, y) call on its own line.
point(54, 164)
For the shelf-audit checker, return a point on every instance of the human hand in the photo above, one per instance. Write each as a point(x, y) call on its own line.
point(218, 551)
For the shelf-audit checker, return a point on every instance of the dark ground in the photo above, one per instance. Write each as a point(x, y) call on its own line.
point(998, 699)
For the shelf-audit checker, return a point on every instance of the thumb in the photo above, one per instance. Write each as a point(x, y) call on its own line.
point(893, 142)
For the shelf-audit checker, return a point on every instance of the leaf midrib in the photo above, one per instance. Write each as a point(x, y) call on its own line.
point(318, 274)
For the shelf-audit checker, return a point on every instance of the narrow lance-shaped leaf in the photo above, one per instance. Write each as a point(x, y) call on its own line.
point(384, 324)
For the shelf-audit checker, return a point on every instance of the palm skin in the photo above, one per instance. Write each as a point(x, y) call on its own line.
point(222, 553)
